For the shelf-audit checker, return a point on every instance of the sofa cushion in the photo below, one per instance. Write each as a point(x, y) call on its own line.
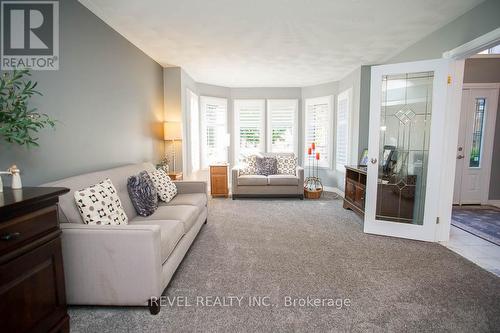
point(142, 193)
point(186, 214)
point(171, 232)
point(190, 199)
point(252, 180)
point(99, 204)
point(287, 180)
point(266, 166)
point(164, 185)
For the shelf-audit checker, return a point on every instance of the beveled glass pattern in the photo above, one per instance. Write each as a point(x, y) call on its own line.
point(404, 147)
point(477, 134)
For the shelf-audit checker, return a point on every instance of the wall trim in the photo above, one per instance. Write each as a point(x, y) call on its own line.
point(468, 49)
point(495, 203)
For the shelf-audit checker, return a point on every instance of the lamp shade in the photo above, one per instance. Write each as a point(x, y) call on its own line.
point(172, 130)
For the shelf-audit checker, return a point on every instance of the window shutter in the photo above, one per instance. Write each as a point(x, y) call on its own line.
point(214, 130)
point(318, 127)
point(342, 138)
point(282, 126)
point(249, 127)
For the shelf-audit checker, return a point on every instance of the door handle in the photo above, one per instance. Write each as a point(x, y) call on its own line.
point(373, 160)
point(459, 157)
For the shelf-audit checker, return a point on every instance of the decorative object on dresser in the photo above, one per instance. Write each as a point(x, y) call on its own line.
point(32, 287)
point(218, 180)
point(312, 184)
point(355, 187)
point(16, 178)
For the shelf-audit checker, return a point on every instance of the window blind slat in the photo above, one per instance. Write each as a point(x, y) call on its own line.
point(214, 129)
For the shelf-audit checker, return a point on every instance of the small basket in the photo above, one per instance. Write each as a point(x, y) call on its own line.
point(308, 194)
point(313, 188)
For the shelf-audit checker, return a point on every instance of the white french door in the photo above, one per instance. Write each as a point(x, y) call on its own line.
point(475, 144)
point(407, 117)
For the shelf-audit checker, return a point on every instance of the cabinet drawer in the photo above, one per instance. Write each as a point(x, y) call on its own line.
point(218, 170)
point(359, 199)
point(24, 229)
point(350, 191)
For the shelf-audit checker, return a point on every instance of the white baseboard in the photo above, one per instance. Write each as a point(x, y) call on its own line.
point(495, 203)
point(334, 190)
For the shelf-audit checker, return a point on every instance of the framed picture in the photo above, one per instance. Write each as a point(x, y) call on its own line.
point(363, 161)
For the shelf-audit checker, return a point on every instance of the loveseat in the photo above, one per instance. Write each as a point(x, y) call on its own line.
point(127, 264)
point(245, 185)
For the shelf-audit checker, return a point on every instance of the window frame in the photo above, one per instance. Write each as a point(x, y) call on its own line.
point(329, 140)
point(203, 101)
point(194, 167)
point(236, 125)
point(344, 95)
point(295, 125)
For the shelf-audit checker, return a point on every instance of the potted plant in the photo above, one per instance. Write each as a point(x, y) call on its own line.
point(18, 123)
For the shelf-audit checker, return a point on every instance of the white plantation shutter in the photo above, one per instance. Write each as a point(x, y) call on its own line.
point(318, 127)
point(249, 124)
point(343, 125)
point(194, 130)
point(213, 130)
point(282, 116)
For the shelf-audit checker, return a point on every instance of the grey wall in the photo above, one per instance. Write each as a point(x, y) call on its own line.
point(483, 70)
point(364, 109)
point(107, 97)
point(476, 22)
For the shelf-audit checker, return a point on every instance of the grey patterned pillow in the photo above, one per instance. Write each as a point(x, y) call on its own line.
point(266, 166)
point(142, 193)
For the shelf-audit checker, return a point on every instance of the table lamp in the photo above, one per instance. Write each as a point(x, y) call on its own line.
point(172, 132)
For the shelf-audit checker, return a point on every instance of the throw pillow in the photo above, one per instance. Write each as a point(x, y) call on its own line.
point(165, 187)
point(266, 166)
point(99, 204)
point(249, 166)
point(287, 164)
point(142, 193)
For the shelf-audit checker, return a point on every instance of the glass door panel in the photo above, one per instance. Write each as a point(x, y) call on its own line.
point(406, 109)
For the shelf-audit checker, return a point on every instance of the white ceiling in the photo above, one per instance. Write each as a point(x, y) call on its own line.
point(274, 43)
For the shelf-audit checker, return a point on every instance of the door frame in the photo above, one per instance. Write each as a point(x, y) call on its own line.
point(489, 127)
point(440, 92)
point(453, 108)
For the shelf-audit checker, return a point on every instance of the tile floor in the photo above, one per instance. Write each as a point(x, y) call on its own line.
point(475, 249)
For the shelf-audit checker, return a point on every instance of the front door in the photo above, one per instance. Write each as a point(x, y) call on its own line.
point(475, 145)
point(407, 116)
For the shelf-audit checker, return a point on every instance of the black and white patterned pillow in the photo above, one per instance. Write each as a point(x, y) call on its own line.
point(287, 164)
point(99, 204)
point(142, 193)
point(266, 166)
point(249, 166)
point(165, 187)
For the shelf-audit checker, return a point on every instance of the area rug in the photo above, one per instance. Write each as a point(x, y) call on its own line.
point(482, 222)
point(285, 265)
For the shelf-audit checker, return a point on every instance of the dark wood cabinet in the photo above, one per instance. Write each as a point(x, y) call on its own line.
point(355, 187)
point(32, 289)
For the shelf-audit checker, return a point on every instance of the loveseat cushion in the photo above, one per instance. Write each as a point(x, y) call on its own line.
point(286, 180)
point(186, 214)
point(266, 166)
point(142, 193)
point(171, 232)
point(164, 186)
point(252, 180)
point(191, 199)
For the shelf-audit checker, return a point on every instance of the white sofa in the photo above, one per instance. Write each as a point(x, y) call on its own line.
point(127, 264)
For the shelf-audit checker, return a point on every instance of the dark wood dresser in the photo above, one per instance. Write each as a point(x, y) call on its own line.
point(32, 292)
point(355, 188)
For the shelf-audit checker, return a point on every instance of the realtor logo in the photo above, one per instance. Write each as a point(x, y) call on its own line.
point(30, 35)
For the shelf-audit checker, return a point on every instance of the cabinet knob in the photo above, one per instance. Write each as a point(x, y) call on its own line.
point(10, 236)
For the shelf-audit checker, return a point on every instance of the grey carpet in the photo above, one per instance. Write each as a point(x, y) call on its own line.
point(281, 248)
